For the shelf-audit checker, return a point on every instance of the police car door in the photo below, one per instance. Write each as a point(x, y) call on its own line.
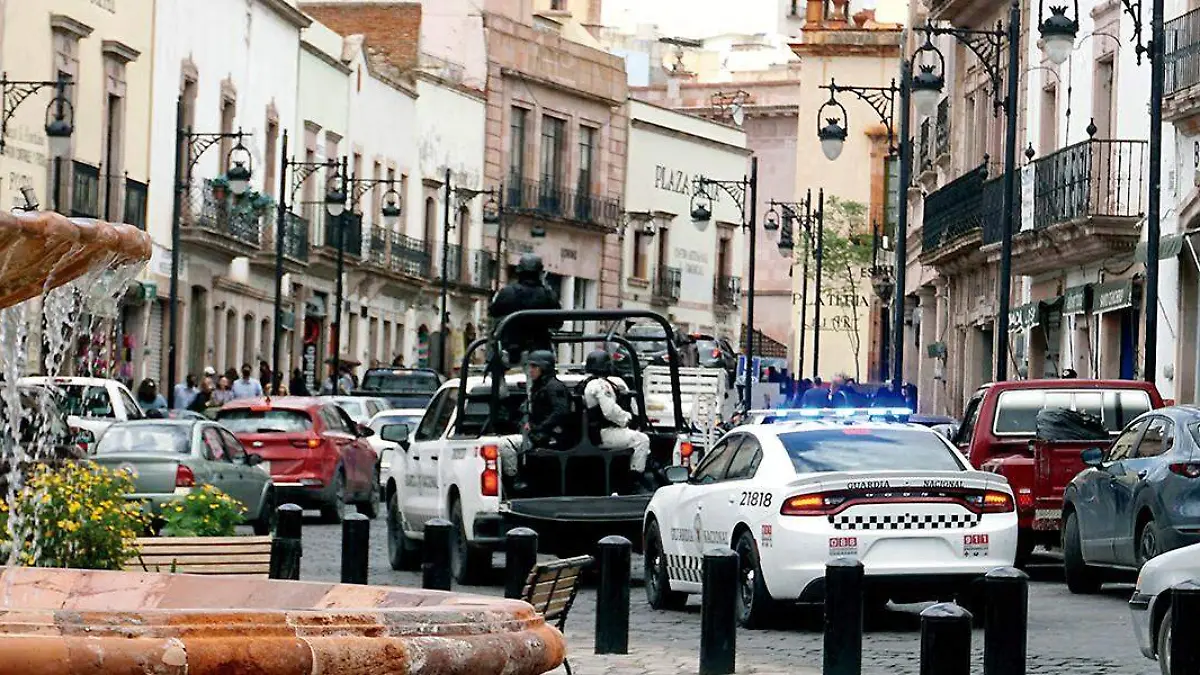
point(688, 529)
point(736, 497)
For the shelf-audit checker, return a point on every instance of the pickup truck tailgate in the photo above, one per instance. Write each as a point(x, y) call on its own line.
point(580, 509)
point(1055, 464)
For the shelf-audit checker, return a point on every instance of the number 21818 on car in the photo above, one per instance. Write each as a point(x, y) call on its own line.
point(790, 496)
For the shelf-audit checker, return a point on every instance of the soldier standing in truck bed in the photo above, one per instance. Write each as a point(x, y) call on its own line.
point(527, 291)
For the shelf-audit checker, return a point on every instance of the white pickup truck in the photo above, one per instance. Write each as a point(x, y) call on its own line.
point(91, 404)
point(450, 468)
point(707, 399)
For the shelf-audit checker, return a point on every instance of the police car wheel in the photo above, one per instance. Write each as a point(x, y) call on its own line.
point(658, 584)
point(754, 601)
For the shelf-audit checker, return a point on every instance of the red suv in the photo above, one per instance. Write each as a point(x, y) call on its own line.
point(317, 456)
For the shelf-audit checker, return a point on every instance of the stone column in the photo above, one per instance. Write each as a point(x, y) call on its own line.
point(927, 306)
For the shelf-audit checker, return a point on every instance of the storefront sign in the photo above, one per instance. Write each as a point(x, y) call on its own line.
point(149, 291)
point(1025, 316)
point(1077, 300)
point(673, 180)
point(1112, 296)
point(310, 366)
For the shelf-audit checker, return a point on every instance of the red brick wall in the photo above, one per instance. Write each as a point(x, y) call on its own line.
point(393, 28)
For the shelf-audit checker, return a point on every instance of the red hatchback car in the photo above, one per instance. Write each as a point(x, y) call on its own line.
point(317, 456)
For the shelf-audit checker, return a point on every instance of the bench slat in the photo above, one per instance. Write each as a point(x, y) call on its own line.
point(547, 581)
point(204, 569)
point(203, 555)
point(201, 541)
point(264, 558)
point(554, 609)
point(206, 550)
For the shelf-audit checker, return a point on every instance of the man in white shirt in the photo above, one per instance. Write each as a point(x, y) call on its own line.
point(246, 387)
point(608, 422)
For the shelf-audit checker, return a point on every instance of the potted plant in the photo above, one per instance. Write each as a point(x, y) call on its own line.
point(219, 187)
point(207, 512)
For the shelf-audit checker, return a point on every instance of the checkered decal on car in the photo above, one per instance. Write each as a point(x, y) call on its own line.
point(684, 568)
point(906, 521)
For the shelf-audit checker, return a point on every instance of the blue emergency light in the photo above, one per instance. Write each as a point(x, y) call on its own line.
point(832, 413)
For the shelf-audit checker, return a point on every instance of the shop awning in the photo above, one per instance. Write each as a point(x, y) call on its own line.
point(1077, 300)
point(1169, 246)
point(1112, 296)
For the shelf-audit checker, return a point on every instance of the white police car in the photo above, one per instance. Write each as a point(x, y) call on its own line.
point(806, 486)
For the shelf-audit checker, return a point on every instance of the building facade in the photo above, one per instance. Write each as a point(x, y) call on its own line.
point(688, 270)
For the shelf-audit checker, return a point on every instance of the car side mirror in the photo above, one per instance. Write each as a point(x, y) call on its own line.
point(253, 459)
point(394, 433)
point(1093, 457)
point(677, 474)
point(365, 431)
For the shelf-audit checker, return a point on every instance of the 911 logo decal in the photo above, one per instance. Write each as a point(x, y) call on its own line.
point(975, 545)
point(766, 535)
point(843, 546)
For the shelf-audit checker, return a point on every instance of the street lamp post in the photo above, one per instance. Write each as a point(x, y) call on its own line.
point(193, 146)
point(833, 135)
point(59, 120)
point(744, 193)
point(1058, 41)
point(463, 195)
point(301, 171)
point(986, 45)
point(812, 229)
point(335, 206)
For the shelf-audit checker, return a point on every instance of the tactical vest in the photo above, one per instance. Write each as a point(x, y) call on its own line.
point(596, 421)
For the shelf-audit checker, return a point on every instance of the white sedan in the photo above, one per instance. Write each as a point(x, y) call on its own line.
point(790, 496)
point(1151, 601)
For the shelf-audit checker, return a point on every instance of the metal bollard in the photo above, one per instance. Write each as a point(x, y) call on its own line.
point(1006, 621)
point(356, 548)
point(718, 613)
point(520, 555)
point(1185, 619)
point(945, 640)
point(612, 599)
point(843, 617)
point(435, 570)
point(286, 547)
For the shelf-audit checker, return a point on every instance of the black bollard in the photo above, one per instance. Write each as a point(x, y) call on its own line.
point(945, 640)
point(1006, 621)
point(718, 613)
point(435, 571)
point(843, 617)
point(612, 599)
point(356, 548)
point(520, 556)
point(286, 547)
point(1185, 620)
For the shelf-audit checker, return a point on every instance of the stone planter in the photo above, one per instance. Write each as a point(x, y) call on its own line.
point(77, 622)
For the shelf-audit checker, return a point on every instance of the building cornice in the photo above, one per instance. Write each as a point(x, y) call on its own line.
point(284, 10)
point(310, 48)
point(693, 138)
point(551, 84)
point(458, 87)
point(119, 51)
point(65, 24)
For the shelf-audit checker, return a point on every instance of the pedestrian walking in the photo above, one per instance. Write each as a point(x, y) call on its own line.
point(298, 386)
point(221, 394)
point(149, 398)
point(246, 386)
point(185, 391)
point(816, 397)
point(202, 401)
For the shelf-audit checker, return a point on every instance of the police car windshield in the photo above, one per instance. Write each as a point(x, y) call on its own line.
point(852, 448)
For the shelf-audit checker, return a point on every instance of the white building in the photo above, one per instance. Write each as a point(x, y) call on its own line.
point(685, 269)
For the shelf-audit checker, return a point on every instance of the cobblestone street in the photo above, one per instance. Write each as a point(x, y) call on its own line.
point(1068, 635)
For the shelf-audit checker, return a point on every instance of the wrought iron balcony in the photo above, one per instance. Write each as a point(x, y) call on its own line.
point(727, 292)
point(925, 148)
point(1182, 62)
point(221, 213)
point(942, 138)
point(667, 285)
point(351, 223)
point(379, 246)
point(953, 212)
point(456, 264)
point(410, 256)
point(549, 200)
point(1091, 179)
point(992, 206)
point(295, 238)
point(85, 198)
point(485, 269)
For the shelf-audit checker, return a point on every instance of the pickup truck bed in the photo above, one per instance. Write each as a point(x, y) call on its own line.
point(1055, 463)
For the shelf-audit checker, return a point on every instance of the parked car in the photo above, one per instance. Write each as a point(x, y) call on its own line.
point(1138, 498)
point(170, 458)
point(999, 433)
point(714, 352)
point(318, 457)
point(401, 387)
point(90, 403)
point(360, 408)
point(45, 436)
point(1151, 601)
point(409, 417)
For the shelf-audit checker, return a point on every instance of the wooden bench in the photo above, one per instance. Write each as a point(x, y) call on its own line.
point(203, 555)
point(551, 589)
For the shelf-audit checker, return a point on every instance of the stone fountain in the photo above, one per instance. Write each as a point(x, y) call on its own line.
point(77, 622)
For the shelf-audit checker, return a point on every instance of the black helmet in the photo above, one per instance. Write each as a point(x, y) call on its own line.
point(530, 265)
point(541, 358)
point(599, 362)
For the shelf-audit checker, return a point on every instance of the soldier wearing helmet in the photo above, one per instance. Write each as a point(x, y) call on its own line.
point(548, 421)
point(608, 423)
point(527, 291)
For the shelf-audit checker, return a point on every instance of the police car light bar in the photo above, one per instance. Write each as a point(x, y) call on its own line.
point(827, 413)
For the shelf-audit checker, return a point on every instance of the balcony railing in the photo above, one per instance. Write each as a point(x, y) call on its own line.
point(410, 256)
point(1093, 178)
point(1182, 62)
point(667, 284)
point(352, 224)
point(485, 269)
point(455, 264)
point(379, 246)
point(728, 291)
point(924, 150)
point(554, 201)
point(992, 209)
point(219, 213)
point(295, 238)
point(953, 211)
point(942, 139)
point(136, 198)
point(85, 198)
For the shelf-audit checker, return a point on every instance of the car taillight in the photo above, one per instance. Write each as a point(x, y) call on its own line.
point(716, 353)
point(489, 480)
point(685, 453)
point(1024, 499)
point(1186, 469)
point(810, 505)
point(311, 443)
point(993, 501)
point(184, 477)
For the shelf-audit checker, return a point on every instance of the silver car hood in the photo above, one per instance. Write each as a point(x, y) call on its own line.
point(1169, 569)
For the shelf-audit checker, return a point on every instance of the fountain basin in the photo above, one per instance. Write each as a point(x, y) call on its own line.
point(72, 622)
